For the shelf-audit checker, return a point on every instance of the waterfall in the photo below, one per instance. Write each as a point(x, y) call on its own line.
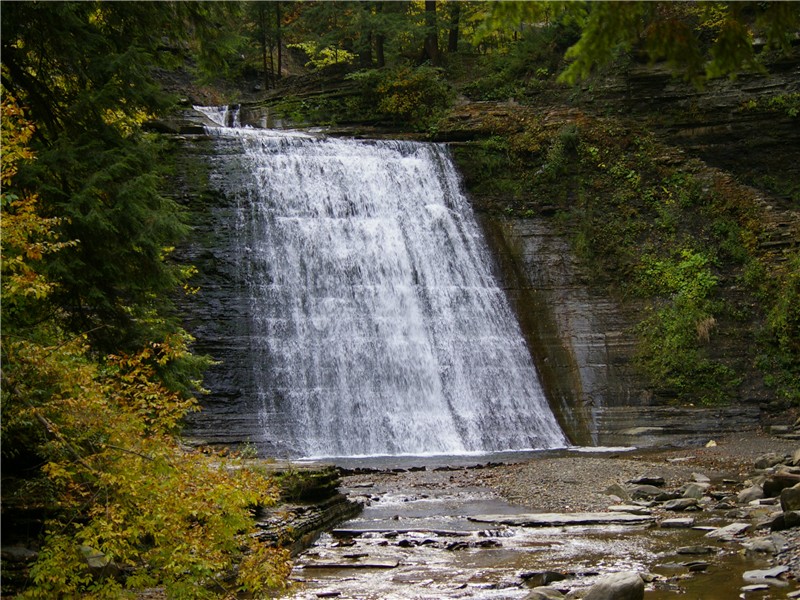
point(376, 324)
point(222, 116)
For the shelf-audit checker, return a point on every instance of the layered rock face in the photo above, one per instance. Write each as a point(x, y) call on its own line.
point(579, 337)
point(583, 344)
point(216, 315)
point(746, 126)
point(582, 337)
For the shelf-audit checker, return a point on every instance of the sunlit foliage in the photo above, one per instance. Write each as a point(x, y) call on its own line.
point(698, 40)
point(129, 507)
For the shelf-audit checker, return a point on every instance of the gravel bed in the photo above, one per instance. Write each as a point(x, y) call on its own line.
point(578, 482)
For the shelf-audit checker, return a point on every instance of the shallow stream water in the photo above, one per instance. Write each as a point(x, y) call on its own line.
point(415, 540)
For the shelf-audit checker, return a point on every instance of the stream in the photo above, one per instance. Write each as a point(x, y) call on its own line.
point(418, 537)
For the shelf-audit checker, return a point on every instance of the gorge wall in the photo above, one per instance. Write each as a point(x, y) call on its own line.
point(347, 290)
point(580, 334)
point(583, 343)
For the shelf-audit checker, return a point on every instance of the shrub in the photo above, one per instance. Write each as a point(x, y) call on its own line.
point(413, 96)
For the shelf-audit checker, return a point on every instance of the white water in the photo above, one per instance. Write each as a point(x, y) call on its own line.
point(377, 326)
point(222, 116)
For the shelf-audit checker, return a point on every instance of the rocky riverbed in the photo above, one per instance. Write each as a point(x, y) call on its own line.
point(704, 522)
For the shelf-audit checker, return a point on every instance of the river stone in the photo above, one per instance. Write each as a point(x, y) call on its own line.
point(100, 566)
point(765, 461)
point(544, 593)
point(778, 482)
point(765, 573)
point(679, 523)
point(728, 532)
point(791, 518)
point(618, 491)
point(695, 490)
point(18, 554)
point(617, 586)
point(541, 578)
point(681, 504)
point(701, 478)
point(655, 480)
point(785, 520)
point(757, 587)
point(796, 458)
point(790, 498)
point(646, 491)
point(771, 544)
point(666, 496)
point(633, 509)
point(747, 495)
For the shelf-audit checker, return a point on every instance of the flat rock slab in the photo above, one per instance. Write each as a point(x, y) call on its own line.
point(765, 573)
point(351, 533)
point(680, 523)
point(759, 587)
point(372, 564)
point(563, 519)
point(633, 509)
point(728, 532)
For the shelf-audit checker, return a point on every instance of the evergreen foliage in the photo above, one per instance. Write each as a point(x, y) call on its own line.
point(96, 371)
point(698, 40)
point(82, 70)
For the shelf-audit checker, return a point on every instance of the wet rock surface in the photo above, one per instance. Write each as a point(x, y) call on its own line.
point(482, 530)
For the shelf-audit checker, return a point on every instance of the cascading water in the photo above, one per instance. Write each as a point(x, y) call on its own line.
point(376, 325)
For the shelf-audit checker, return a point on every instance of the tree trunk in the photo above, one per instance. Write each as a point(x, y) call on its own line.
point(278, 37)
point(379, 38)
point(379, 54)
point(265, 51)
point(272, 77)
point(431, 47)
point(452, 36)
point(365, 54)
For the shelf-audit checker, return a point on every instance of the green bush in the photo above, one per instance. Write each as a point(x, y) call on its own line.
point(781, 336)
point(564, 147)
point(416, 97)
point(674, 336)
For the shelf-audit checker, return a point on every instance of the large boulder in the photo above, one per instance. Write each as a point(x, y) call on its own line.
point(779, 481)
point(695, 490)
point(617, 586)
point(747, 495)
point(544, 593)
point(790, 498)
point(766, 461)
